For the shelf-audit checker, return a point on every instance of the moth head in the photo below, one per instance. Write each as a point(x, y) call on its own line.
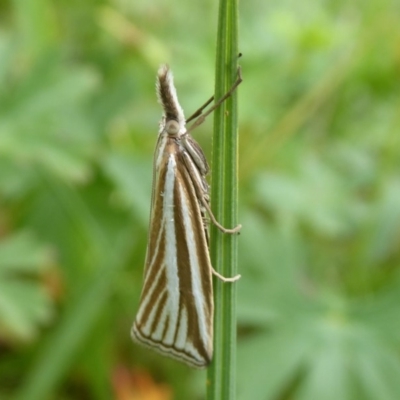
point(172, 127)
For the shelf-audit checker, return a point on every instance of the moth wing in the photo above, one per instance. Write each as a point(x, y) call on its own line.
point(175, 314)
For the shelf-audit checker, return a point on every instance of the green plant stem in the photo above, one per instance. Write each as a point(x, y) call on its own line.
point(223, 247)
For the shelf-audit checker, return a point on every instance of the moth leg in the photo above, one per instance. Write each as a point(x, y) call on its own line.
point(201, 189)
point(202, 117)
point(199, 111)
point(206, 205)
point(223, 279)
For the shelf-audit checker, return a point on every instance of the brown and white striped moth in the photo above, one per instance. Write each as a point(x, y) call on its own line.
point(175, 315)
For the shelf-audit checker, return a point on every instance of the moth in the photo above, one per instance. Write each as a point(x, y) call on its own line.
point(175, 315)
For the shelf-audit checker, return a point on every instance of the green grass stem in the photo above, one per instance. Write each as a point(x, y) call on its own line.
point(224, 203)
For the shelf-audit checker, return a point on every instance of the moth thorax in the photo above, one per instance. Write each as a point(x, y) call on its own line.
point(172, 127)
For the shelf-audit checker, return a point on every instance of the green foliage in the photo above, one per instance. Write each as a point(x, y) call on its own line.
point(319, 184)
point(24, 303)
point(316, 337)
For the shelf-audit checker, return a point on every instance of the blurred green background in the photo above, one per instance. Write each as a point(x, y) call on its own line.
point(319, 113)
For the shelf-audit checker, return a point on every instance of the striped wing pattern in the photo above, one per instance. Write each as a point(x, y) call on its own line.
point(175, 314)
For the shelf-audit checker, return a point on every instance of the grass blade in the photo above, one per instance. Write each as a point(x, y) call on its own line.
point(222, 372)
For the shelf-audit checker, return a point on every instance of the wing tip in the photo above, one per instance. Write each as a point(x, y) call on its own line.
point(170, 351)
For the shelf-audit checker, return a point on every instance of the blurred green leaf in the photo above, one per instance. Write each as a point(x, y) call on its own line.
point(314, 343)
point(76, 324)
point(24, 301)
point(131, 176)
point(317, 195)
point(43, 124)
point(385, 224)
